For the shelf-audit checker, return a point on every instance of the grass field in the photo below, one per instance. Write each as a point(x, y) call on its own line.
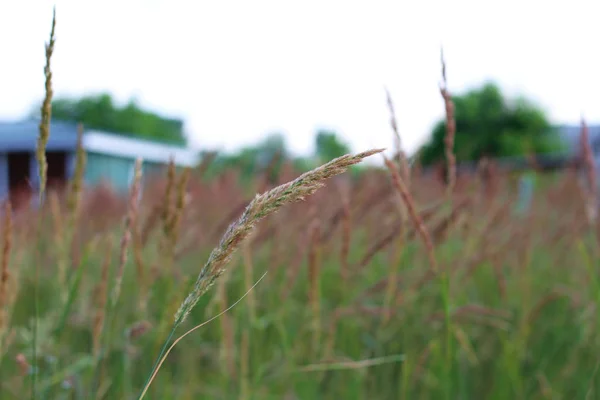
point(381, 285)
point(350, 306)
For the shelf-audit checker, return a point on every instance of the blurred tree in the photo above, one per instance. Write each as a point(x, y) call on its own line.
point(329, 146)
point(487, 124)
point(304, 164)
point(270, 153)
point(100, 112)
point(274, 145)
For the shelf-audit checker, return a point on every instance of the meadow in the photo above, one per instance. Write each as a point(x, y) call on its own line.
point(390, 283)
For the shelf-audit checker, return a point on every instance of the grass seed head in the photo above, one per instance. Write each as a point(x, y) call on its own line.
point(46, 111)
point(262, 205)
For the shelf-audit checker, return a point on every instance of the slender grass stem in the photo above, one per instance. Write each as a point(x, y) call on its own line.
point(166, 350)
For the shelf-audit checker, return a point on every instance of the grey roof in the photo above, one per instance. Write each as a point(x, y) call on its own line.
point(571, 134)
point(22, 136)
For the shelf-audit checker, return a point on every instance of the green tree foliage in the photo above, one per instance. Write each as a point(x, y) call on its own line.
point(271, 153)
point(329, 146)
point(488, 124)
point(100, 112)
point(250, 160)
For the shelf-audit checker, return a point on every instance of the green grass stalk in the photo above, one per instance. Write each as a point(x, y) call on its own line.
point(262, 205)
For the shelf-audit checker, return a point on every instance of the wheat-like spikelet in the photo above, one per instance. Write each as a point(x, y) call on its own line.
point(450, 130)
point(130, 221)
point(74, 196)
point(180, 201)
point(412, 212)
point(168, 205)
point(262, 205)
point(229, 216)
point(403, 166)
point(400, 154)
point(76, 183)
point(40, 154)
point(175, 213)
point(46, 111)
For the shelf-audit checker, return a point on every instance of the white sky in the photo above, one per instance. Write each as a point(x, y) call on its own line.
point(236, 70)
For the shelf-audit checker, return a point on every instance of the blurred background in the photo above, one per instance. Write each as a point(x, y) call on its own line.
point(235, 73)
point(223, 100)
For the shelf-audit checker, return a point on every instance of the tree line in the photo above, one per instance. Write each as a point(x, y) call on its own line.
point(488, 124)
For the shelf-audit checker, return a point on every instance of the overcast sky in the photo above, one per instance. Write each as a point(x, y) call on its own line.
point(236, 70)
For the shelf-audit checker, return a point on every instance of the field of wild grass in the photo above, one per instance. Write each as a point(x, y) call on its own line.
point(350, 306)
point(388, 283)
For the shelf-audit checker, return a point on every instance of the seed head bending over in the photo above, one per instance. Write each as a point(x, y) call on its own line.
point(262, 205)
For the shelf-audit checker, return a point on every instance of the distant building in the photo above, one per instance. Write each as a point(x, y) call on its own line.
point(571, 137)
point(110, 157)
point(568, 156)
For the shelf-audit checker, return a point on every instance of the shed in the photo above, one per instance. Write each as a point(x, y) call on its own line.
point(110, 157)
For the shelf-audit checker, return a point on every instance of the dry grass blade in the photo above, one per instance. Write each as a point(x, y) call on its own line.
point(352, 364)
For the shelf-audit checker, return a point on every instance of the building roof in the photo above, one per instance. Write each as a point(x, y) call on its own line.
point(121, 146)
point(571, 134)
point(22, 136)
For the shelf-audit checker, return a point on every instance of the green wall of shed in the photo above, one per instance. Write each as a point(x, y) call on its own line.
point(117, 171)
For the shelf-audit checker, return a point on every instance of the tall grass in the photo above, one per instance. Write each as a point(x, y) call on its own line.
point(44, 135)
point(391, 284)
